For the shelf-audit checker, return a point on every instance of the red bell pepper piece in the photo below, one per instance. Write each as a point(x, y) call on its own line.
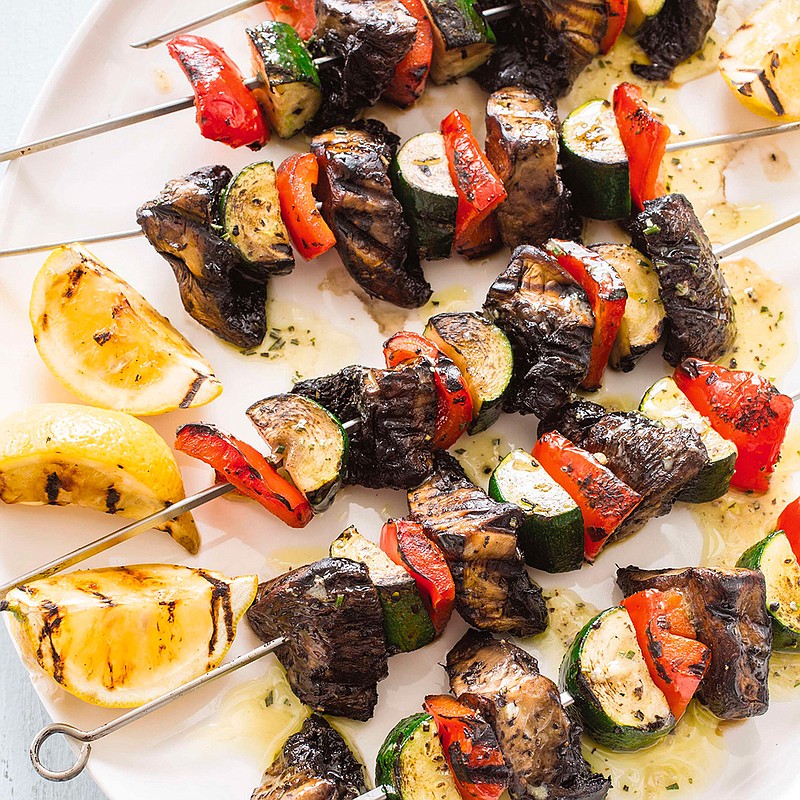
point(479, 189)
point(406, 544)
point(604, 500)
point(454, 409)
point(480, 241)
point(300, 14)
point(789, 523)
point(243, 466)
point(742, 407)
point(227, 111)
point(617, 15)
point(470, 747)
point(607, 296)
point(296, 178)
point(644, 137)
point(411, 74)
point(674, 657)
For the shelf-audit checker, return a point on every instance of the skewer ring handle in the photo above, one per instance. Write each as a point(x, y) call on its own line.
point(71, 733)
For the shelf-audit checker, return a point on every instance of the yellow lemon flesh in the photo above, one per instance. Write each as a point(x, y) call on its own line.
point(63, 454)
point(122, 636)
point(108, 345)
point(761, 61)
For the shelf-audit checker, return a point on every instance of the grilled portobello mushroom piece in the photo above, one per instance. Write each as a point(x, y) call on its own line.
point(522, 144)
point(540, 743)
point(314, 764)
point(671, 36)
point(701, 322)
point(212, 278)
point(572, 420)
point(728, 610)
point(396, 409)
point(654, 461)
point(478, 537)
point(549, 322)
point(335, 651)
point(370, 37)
point(372, 236)
point(545, 46)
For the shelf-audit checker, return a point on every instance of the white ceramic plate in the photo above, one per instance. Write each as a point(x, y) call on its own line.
point(198, 747)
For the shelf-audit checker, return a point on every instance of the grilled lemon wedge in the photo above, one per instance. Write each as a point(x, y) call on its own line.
point(761, 61)
point(64, 454)
point(122, 636)
point(108, 345)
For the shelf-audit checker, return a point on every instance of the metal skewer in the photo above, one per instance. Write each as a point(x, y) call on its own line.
point(721, 251)
point(104, 127)
point(128, 532)
point(117, 537)
point(85, 738)
point(500, 12)
point(221, 13)
point(725, 250)
point(182, 103)
point(732, 138)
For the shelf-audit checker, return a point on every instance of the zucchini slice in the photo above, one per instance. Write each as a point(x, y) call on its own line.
point(251, 215)
point(411, 764)
point(595, 166)
point(291, 94)
point(462, 39)
point(422, 183)
point(639, 11)
point(664, 402)
point(643, 320)
point(615, 697)
point(308, 440)
point(773, 556)
point(552, 534)
point(406, 621)
point(483, 354)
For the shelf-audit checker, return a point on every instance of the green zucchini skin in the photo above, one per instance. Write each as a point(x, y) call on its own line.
point(309, 441)
point(251, 215)
point(406, 621)
point(639, 11)
point(291, 94)
point(411, 763)
point(664, 402)
point(770, 557)
point(483, 354)
point(462, 39)
point(595, 167)
point(588, 708)
point(551, 535)
point(421, 180)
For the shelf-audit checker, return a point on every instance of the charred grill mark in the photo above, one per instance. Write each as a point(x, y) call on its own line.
point(773, 98)
point(101, 337)
point(220, 603)
point(657, 651)
point(52, 487)
point(112, 500)
point(74, 279)
point(119, 308)
point(104, 599)
point(170, 604)
point(50, 624)
point(193, 389)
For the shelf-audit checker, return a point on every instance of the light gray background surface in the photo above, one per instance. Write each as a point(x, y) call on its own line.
point(33, 34)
